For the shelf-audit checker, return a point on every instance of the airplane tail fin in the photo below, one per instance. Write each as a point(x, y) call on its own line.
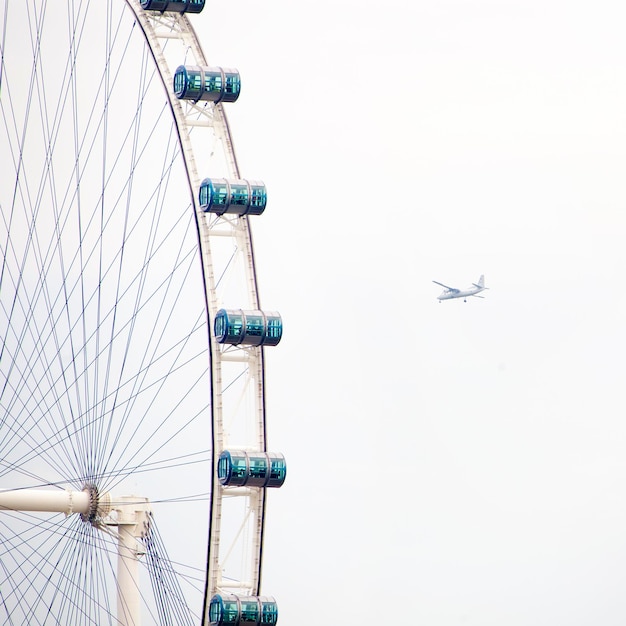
point(481, 282)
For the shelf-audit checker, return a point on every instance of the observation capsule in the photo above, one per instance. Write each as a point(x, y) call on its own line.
point(239, 197)
point(242, 610)
point(249, 328)
point(215, 84)
point(237, 468)
point(178, 6)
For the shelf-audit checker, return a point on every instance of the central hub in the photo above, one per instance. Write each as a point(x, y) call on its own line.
point(99, 505)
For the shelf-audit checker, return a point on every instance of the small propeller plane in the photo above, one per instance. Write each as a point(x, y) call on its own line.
point(452, 292)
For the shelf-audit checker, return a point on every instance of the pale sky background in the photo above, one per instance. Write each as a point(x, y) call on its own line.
point(453, 463)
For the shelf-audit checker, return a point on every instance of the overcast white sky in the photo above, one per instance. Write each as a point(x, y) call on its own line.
point(454, 463)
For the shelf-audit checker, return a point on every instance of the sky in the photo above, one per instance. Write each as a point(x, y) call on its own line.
point(448, 463)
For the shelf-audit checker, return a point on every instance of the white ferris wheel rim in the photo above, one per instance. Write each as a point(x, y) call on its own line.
point(188, 122)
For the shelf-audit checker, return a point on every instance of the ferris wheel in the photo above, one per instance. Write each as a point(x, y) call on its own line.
point(134, 465)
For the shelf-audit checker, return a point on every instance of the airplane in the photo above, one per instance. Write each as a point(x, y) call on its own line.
point(452, 292)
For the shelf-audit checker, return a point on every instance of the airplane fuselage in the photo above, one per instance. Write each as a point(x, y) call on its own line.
point(449, 295)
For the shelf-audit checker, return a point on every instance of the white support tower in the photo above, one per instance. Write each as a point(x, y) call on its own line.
point(130, 514)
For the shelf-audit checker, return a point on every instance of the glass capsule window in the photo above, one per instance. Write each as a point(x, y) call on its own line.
point(221, 325)
point(215, 611)
point(232, 468)
point(188, 82)
point(250, 328)
point(221, 196)
point(249, 611)
point(274, 328)
point(230, 613)
point(213, 81)
point(239, 194)
point(258, 197)
point(224, 610)
point(255, 325)
point(236, 468)
point(278, 472)
point(235, 326)
point(180, 81)
point(222, 469)
point(229, 327)
point(233, 85)
point(237, 197)
point(179, 6)
point(194, 82)
point(204, 195)
point(258, 469)
point(239, 469)
point(214, 195)
point(213, 84)
point(269, 612)
point(230, 609)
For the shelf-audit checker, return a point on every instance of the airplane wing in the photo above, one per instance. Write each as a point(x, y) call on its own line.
point(446, 286)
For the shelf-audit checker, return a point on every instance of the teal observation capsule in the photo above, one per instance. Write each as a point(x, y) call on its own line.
point(248, 328)
point(242, 610)
point(238, 468)
point(214, 84)
point(235, 197)
point(179, 6)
